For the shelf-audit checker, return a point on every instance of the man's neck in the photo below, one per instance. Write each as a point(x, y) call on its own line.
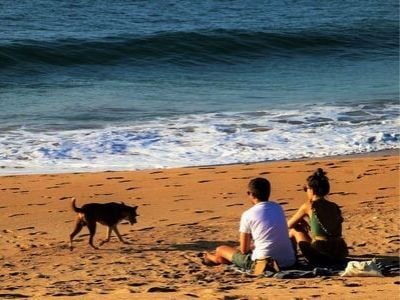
point(256, 201)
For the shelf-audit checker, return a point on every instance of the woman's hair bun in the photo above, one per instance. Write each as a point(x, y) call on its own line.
point(320, 173)
point(319, 182)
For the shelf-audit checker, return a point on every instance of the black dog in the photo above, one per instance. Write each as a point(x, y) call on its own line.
point(109, 214)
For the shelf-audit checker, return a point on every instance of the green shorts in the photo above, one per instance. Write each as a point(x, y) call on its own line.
point(242, 260)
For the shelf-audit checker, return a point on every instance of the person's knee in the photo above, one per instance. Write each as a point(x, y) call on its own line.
point(220, 250)
point(295, 235)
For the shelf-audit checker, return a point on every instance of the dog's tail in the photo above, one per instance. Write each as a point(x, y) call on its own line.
point(74, 207)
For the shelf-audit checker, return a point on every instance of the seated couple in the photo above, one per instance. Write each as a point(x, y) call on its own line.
point(265, 234)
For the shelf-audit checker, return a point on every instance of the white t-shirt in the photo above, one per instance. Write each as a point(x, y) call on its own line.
point(266, 223)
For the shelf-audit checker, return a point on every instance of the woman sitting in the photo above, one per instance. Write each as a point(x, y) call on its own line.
point(320, 240)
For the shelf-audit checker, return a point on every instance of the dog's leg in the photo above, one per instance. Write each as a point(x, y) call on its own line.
point(118, 234)
point(108, 236)
point(92, 231)
point(78, 227)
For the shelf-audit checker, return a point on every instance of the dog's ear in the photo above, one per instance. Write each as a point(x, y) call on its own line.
point(122, 203)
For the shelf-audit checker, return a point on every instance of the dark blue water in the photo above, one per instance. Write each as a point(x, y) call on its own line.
point(107, 65)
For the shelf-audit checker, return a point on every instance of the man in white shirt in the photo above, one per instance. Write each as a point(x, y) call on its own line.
point(264, 224)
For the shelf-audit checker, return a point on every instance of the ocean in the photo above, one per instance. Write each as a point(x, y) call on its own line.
point(127, 85)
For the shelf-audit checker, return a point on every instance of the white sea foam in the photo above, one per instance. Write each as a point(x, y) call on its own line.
point(205, 139)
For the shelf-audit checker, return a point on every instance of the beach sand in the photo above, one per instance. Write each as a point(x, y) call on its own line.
point(183, 212)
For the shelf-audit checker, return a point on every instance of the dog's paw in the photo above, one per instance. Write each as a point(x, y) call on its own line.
point(103, 242)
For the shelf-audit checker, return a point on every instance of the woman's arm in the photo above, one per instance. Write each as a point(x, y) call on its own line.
point(298, 216)
point(245, 242)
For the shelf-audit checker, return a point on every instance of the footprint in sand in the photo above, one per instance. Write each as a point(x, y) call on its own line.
point(65, 197)
point(17, 215)
point(63, 183)
point(156, 172)
point(93, 185)
point(390, 236)
point(145, 228)
point(13, 296)
point(132, 188)
point(396, 241)
point(26, 228)
point(206, 168)
point(203, 181)
point(67, 294)
point(234, 204)
point(36, 204)
point(312, 164)
point(214, 218)
point(37, 232)
point(351, 284)
point(386, 188)
point(117, 177)
point(161, 289)
point(181, 199)
point(161, 178)
point(183, 174)
point(202, 211)
point(343, 193)
point(107, 194)
point(116, 279)
point(367, 202)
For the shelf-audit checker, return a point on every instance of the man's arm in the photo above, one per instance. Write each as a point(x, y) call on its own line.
point(245, 242)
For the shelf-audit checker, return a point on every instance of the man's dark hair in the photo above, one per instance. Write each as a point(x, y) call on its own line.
point(260, 188)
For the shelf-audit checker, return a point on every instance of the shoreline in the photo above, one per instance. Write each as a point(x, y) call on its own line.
point(184, 211)
point(386, 152)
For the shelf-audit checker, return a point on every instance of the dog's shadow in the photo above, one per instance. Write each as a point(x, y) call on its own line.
point(133, 247)
point(192, 246)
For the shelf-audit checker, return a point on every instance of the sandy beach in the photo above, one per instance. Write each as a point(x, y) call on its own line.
point(183, 212)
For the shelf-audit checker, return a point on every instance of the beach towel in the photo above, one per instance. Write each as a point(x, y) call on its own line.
point(300, 270)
